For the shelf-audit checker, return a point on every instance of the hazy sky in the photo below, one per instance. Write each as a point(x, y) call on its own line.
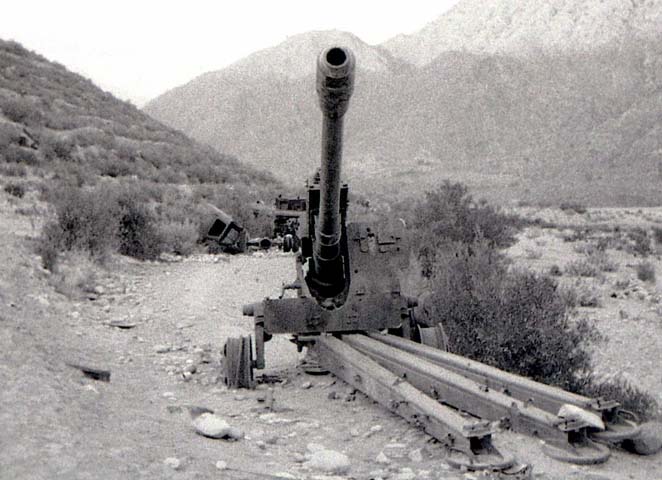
point(139, 49)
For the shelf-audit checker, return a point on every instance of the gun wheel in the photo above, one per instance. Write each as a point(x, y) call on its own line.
point(238, 363)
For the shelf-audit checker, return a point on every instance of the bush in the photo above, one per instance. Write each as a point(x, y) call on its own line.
point(582, 268)
point(646, 272)
point(20, 155)
point(641, 242)
point(138, 235)
point(450, 214)
point(179, 238)
point(629, 396)
point(516, 321)
point(569, 207)
point(13, 170)
point(22, 110)
point(15, 189)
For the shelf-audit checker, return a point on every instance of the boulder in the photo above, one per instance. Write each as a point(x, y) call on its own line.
point(329, 461)
point(212, 426)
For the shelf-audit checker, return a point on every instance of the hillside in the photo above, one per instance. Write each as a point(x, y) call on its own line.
point(531, 27)
point(565, 125)
point(58, 128)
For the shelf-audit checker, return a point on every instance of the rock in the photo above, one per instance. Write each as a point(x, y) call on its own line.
point(354, 432)
point(306, 385)
point(329, 461)
point(261, 445)
point(195, 411)
point(649, 441)
point(416, 456)
point(161, 348)
point(212, 426)
point(374, 429)
point(382, 459)
point(221, 465)
point(173, 463)
point(315, 447)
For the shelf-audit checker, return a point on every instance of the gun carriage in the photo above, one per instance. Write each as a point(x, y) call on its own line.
point(350, 310)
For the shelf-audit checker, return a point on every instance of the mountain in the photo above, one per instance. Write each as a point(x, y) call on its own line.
point(559, 121)
point(531, 27)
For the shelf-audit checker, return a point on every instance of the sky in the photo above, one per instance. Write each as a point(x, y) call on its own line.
point(138, 49)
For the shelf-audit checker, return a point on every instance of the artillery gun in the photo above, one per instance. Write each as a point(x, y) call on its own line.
point(350, 310)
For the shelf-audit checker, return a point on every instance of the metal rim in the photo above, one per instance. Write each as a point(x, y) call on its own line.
point(588, 453)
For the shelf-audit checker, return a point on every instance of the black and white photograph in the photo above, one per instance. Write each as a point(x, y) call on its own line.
point(331, 240)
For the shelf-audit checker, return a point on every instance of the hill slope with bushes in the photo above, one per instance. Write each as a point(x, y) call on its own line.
point(60, 133)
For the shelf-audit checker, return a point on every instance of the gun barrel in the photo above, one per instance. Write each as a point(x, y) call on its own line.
point(335, 84)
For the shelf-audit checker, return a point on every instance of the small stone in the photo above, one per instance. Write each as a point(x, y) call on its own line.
point(382, 459)
point(306, 385)
point(221, 465)
point(354, 432)
point(374, 429)
point(329, 461)
point(173, 463)
point(191, 368)
point(261, 445)
point(211, 426)
point(161, 348)
point(416, 456)
point(272, 440)
point(299, 458)
point(99, 290)
point(168, 395)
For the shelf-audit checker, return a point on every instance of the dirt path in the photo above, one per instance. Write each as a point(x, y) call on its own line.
point(58, 424)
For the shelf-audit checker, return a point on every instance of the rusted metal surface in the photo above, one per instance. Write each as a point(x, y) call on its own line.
point(454, 389)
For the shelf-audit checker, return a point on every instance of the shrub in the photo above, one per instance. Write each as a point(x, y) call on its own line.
point(646, 272)
point(86, 220)
point(138, 235)
point(517, 321)
point(15, 189)
point(555, 271)
point(629, 396)
point(641, 242)
point(22, 110)
point(20, 155)
point(582, 268)
point(13, 170)
point(657, 235)
point(576, 207)
point(179, 237)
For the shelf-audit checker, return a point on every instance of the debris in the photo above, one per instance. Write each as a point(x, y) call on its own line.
point(92, 372)
point(329, 461)
point(161, 348)
point(173, 463)
point(212, 426)
point(122, 323)
point(572, 412)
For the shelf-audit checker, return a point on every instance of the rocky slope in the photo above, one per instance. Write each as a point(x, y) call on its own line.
point(531, 27)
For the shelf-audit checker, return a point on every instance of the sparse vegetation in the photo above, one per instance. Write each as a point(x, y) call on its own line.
point(646, 272)
point(15, 189)
point(576, 207)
